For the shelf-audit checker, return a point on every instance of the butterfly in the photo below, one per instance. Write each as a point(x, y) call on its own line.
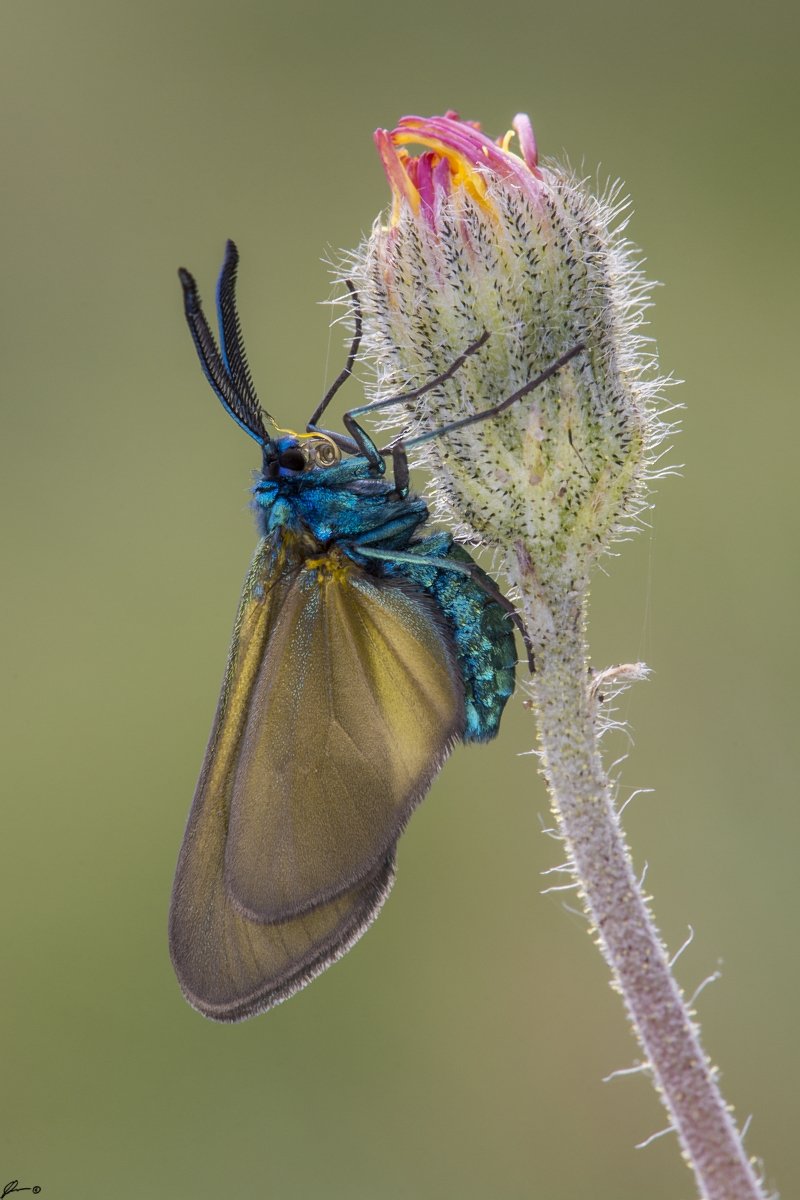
point(363, 650)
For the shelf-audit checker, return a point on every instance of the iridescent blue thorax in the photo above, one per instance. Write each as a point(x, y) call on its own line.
point(349, 500)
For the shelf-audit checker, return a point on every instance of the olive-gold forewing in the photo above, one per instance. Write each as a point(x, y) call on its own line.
point(228, 966)
point(353, 709)
point(340, 701)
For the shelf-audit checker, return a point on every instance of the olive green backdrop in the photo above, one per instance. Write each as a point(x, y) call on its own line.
point(458, 1051)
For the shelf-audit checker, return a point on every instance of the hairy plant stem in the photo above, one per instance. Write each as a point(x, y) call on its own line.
point(567, 713)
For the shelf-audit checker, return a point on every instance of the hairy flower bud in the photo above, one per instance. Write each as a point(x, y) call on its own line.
point(482, 241)
point(480, 238)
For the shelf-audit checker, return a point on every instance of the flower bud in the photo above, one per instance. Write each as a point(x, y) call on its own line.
point(481, 238)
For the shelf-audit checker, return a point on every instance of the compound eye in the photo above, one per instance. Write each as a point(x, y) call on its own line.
point(293, 459)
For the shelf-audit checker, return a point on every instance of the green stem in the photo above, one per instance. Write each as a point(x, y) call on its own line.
point(567, 716)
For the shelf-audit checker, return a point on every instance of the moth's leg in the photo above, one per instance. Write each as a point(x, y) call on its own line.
point(399, 527)
point(397, 451)
point(495, 409)
point(347, 370)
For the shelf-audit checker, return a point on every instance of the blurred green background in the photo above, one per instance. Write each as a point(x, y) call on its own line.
point(458, 1051)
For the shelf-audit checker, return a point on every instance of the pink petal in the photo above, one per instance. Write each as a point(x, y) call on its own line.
point(395, 170)
point(527, 140)
point(425, 185)
point(464, 139)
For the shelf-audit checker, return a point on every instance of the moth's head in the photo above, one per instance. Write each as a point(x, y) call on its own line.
point(290, 456)
point(296, 454)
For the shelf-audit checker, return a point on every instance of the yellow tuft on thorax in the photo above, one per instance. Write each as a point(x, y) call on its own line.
point(330, 568)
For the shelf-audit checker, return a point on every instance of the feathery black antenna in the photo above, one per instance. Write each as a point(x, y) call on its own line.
point(246, 414)
point(230, 330)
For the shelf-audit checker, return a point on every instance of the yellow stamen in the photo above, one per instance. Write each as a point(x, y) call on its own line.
point(463, 173)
